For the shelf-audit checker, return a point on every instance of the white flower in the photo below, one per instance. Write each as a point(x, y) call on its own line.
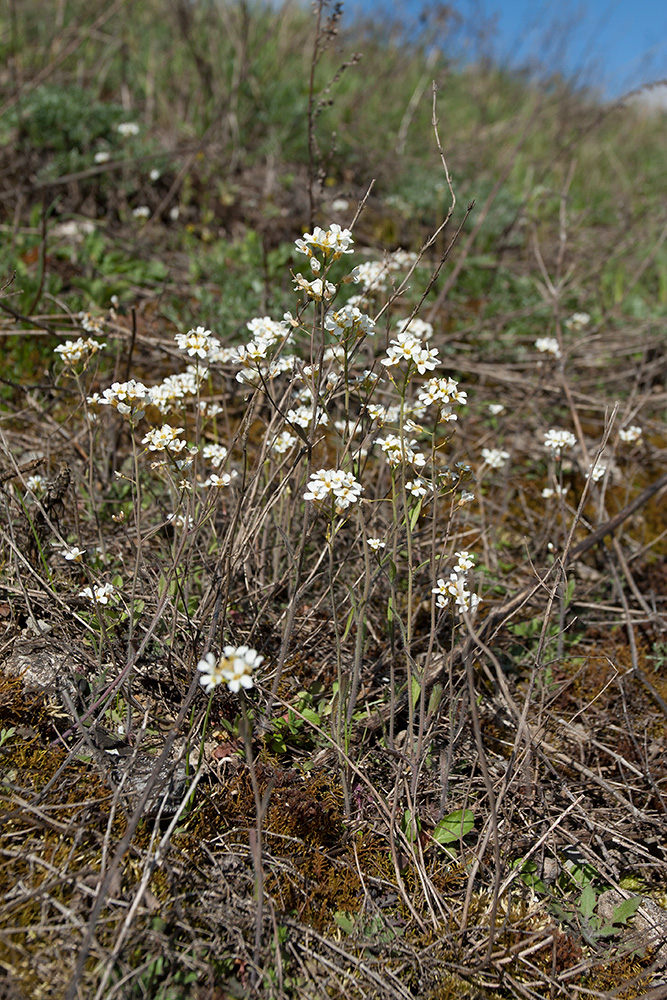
point(548, 345)
point(397, 451)
point(73, 351)
point(494, 457)
point(215, 453)
point(102, 156)
point(333, 240)
point(181, 521)
point(316, 289)
point(555, 440)
point(127, 397)
point(75, 554)
point(198, 342)
point(219, 482)
point(91, 325)
point(165, 437)
point(376, 544)
point(464, 561)
point(100, 593)
point(465, 498)
point(344, 487)
point(495, 409)
point(127, 128)
point(417, 487)
point(154, 175)
point(555, 491)
point(406, 347)
point(234, 668)
point(418, 328)
point(441, 391)
point(455, 587)
point(630, 434)
point(283, 442)
point(596, 470)
point(578, 321)
point(348, 321)
point(141, 212)
point(35, 484)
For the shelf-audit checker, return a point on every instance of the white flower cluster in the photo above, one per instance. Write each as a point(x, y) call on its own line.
point(556, 440)
point(127, 128)
point(165, 438)
point(577, 321)
point(74, 351)
point(348, 322)
point(90, 324)
point(332, 242)
point(342, 485)
point(596, 470)
point(495, 458)
point(100, 593)
point(408, 347)
point(548, 345)
point(630, 434)
point(198, 342)
point(455, 587)
point(129, 398)
point(441, 392)
point(398, 451)
point(234, 668)
point(316, 289)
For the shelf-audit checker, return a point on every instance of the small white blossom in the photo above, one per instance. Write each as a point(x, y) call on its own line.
point(165, 437)
point(554, 491)
point(198, 342)
point(127, 128)
point(495, 409)
point(75, 554)
point(283, 442)
point(141, 212)
point(215, 454)
point(376, 544)
point(555, 440)
point(234, 668)
point(35, 484)
point(316, 289)
point(417, 487)
point(100, 593)
point(342, 485)
point(578, 321)
point(102, 156)
point(332, 241)
point(74, 351)
point(548, 345)
point(630, 434)
point(596, 470)
point(495, 458)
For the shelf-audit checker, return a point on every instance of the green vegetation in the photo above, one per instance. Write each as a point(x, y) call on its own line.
point(332, 463)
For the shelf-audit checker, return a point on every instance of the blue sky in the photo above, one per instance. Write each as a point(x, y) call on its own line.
point(613, 45)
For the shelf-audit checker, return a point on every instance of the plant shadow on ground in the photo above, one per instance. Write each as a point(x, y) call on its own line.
point(405, 794)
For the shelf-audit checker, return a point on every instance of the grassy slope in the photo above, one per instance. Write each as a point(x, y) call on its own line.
point(569, 216)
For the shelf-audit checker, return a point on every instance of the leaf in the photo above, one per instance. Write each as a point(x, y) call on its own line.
point(454, 827)
point(345, 921)
point(587, 902)
point(626, 909)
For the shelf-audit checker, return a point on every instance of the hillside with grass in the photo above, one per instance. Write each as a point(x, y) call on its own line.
point(333, 557)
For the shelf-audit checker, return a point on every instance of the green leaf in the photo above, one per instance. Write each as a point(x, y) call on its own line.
point(626, 909)
point(345, 921)
point(587, 902)
point(454, 827)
